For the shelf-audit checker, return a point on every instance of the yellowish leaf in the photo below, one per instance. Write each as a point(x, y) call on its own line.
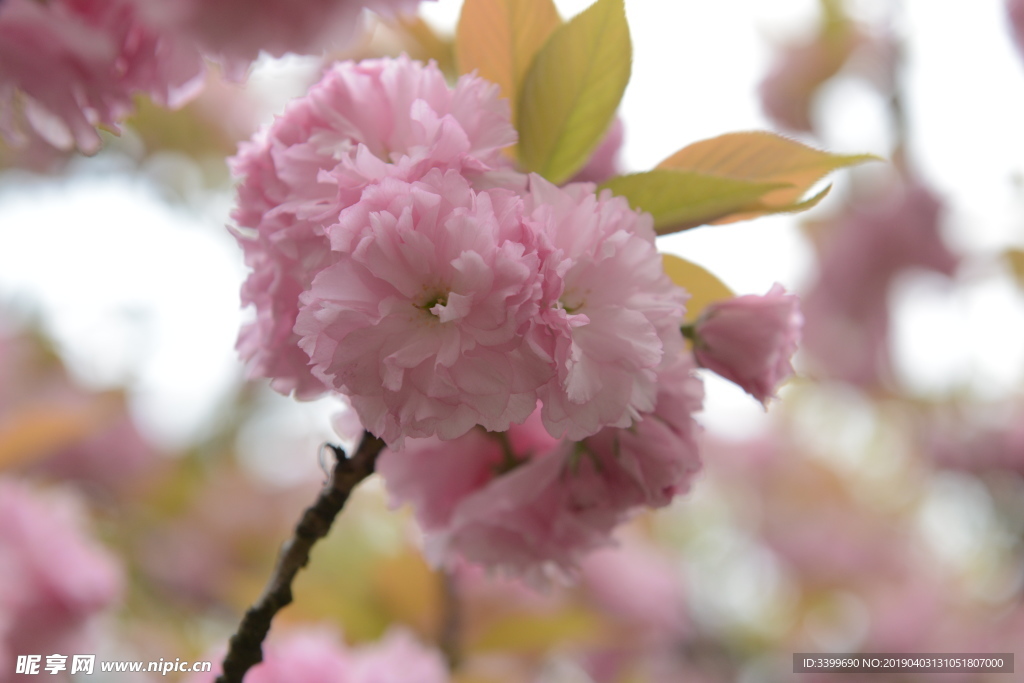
point(422, 42)
point(410, 590)
point(37, 431)
point(1015, 257)
point(679, 200)
point(500, 38)
point(763, 157)
point(703, 286)
point(571, 91)
point(528, 632)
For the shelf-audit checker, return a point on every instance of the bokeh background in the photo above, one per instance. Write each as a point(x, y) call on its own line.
point(877, 507)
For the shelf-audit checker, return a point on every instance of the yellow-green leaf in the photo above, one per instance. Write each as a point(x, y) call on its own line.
point(703, 286)
point(679, 200)
point(571, 92)
point(763, 157)
point(500, 38)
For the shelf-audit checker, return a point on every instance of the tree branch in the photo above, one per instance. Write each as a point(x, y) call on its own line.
point(245, 648)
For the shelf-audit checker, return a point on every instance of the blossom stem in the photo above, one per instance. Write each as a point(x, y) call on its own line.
point(245, 649)
point(451, 620)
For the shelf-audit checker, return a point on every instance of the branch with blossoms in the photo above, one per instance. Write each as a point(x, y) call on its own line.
point(437, 256)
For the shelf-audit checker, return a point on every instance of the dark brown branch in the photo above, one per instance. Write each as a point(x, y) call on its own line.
point(245, 648)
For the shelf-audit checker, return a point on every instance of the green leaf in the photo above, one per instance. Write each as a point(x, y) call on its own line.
point(571, 92)
point(763, 157)
point(500, 38)
point(679, 200)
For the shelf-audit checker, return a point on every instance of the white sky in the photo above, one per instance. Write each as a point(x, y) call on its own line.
point(137, 291)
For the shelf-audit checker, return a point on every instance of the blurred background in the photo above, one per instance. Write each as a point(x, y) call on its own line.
point(878, 507)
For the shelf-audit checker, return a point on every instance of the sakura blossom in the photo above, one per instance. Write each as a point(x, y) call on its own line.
point(750, 340)
point(235, 32)
point(318, 655)
point(421, 324)
point(360, 124)
point(610, 317)
point(527, 504)
point(864, 251)
point(44, 605)
point(67, 67)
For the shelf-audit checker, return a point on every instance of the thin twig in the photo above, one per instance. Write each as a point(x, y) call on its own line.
point(245, 648)
point(450, 635)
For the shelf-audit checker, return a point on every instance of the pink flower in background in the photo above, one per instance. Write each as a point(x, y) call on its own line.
point(1015, 13)
point(847, 314)
point(397, 658)
point(319, 656)
point(236, 31)
point(610, 316)
point(750, 340)
point(638, 583)
point(55, 578)
point(421, 324)
point(362, 123)
point(75, 65)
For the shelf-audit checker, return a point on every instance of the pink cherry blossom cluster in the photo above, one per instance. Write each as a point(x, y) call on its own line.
point(67, 66)
point(317, 656)
point(400, 261)
point(517, 345)
point(55, 578)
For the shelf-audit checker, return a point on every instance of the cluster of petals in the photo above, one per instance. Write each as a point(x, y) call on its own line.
point(55, 577)
point(318, 656)
point(530, 505)
point(749, 340)
point(610, 317)
point(361, 124)
point(68, 66)
point(420, 320)
point(399, 261)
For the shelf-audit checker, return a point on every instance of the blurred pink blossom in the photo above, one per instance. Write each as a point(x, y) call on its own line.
point(750, 340)
point(638, 583)
point(397, 658)
point(67, 66)
point(236, 31)
point(362, 123)
point(319, 656)
point(847, 314)
point(55, 577)
point(1015, 13)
